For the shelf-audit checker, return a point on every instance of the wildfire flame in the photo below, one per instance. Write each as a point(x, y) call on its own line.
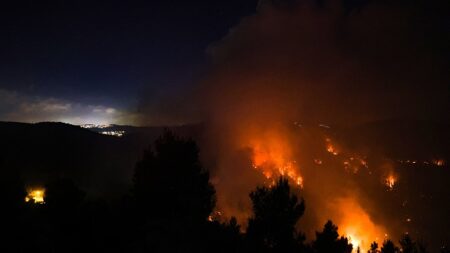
point(355, 223)
point(271, 154)
point(356, 243)
point(36, 195)
point(274, 152)
point(390, 181)
point(439, 162)
point(271, 162)
point(331, 148)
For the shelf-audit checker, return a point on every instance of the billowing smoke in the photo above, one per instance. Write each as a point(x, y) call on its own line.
point(297, 64)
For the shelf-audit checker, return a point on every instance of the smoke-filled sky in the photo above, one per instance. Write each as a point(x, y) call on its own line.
point(294, 64)
point(150, 62)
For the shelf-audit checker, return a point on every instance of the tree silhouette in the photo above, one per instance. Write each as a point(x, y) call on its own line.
point(173, 194)
point(373, 248)
point(389, 247)
point(329, 241)
point(407, 244)
point(12, 189)
point(170, 181)
point(224, 237)
point(13, 195)
point(63, 206)
point(275, 214)
point(445, 249)
point(421, 247)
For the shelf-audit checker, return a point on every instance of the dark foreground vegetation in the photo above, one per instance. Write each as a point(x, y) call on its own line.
point(167, 210)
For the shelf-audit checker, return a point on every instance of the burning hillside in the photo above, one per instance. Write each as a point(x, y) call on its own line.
point(366, 193)
point(301, 62)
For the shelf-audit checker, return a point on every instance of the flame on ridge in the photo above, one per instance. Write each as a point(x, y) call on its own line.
point(272, 156)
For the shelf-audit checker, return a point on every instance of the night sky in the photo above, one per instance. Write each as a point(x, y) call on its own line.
point(87, 61)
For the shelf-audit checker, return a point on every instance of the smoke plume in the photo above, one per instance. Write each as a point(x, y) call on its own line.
point(296, 64)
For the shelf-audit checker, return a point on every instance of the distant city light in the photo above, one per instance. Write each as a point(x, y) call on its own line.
point(106, 131)
point(113, 133)
point(89, 126)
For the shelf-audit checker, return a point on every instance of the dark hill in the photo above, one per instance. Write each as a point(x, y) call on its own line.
point(42, 151)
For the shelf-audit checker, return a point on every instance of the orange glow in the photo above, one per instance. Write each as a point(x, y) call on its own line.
point(271, 154)
point(215, 216)
point(331, 148)
point(364, 163)
point(35, 194)
point(390, 181)
point(355, 241)
point(355, 223)
point(299, 181)
point(267, 173)
point(439, 162)
point(348, 166)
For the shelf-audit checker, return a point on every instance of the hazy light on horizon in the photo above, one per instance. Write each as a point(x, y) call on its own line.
point(31, 109)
